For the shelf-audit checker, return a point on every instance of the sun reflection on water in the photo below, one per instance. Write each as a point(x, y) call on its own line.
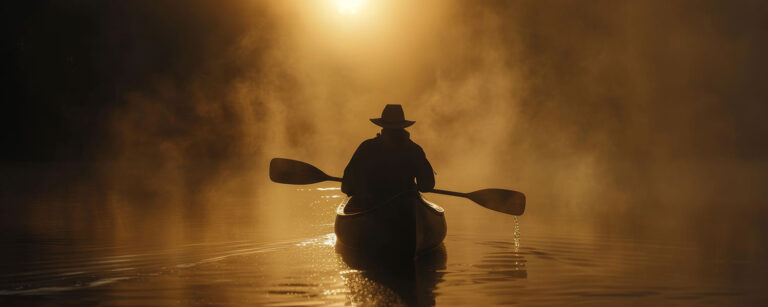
point(326, 240)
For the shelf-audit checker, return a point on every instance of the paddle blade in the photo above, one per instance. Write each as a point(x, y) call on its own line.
point(506, 201)
point(294, 172)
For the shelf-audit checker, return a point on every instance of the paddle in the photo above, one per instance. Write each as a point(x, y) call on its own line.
point(296, 172)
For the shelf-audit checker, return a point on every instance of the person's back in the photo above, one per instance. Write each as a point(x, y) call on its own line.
point(387, 165)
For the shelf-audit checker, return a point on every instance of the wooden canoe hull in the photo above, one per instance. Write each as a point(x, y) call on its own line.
point(405, 226)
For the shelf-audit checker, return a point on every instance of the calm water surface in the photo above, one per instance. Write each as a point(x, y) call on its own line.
point(288, 258)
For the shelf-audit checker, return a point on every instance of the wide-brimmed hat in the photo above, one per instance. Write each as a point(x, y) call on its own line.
point(392, 117)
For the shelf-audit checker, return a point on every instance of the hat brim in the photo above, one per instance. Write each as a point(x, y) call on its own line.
point(386, 124)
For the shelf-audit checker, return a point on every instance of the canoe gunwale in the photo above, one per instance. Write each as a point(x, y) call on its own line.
point(433, 208)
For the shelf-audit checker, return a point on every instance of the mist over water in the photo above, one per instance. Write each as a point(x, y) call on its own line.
point(639, 120)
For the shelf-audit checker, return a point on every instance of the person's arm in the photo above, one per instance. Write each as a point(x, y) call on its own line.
point(425, 176)
point(348, 181)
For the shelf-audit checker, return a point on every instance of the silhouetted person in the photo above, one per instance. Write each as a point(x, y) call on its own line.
point(387, 165)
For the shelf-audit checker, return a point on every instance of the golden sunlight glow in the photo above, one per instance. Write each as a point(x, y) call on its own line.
point(349, 6)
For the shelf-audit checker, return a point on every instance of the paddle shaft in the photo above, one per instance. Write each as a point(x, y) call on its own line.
point(436, 191)
point(451, 193)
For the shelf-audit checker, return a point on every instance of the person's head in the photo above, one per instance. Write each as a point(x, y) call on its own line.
point(394, 135)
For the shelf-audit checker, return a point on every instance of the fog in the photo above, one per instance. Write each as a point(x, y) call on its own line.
point(643, 118)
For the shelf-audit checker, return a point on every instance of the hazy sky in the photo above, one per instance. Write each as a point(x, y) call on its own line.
point(632, 105)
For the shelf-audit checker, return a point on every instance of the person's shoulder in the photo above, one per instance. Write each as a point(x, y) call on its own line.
point(414, 146)
point(370, 142)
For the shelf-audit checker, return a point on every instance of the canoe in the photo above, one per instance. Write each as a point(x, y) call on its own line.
point(405, 226)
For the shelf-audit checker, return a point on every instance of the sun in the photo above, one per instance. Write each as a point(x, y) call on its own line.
point(350, 7)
